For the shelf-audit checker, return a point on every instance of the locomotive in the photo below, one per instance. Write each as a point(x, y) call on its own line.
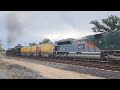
point(95, 47)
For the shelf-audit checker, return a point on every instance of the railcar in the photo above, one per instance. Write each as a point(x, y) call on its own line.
point(95, 47)
point(43, 50)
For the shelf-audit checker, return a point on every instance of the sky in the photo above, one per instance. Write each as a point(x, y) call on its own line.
point(55, 25)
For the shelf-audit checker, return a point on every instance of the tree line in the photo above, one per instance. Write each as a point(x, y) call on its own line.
point(43, 42)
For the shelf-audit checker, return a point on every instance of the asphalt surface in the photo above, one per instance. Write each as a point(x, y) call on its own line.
point(3, 75)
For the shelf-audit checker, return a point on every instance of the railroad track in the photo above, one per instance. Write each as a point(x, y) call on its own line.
point(80, 63)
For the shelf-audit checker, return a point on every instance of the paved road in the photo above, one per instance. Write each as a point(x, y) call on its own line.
point(3, 75)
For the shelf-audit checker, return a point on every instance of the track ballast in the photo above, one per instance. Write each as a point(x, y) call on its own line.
point(85, 63)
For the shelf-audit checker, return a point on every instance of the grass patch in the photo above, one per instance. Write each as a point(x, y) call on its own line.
point(2, 66)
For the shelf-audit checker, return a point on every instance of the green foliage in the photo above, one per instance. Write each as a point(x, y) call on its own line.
point(18, 44)
point(1, 49)
point(45, 41)
point(32, 44)
point(2, 65)
point(112, 23)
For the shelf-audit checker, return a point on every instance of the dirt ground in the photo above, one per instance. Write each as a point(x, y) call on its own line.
point(50, 72)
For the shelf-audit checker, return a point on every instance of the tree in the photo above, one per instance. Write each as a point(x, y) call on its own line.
point(18, 44)
point(45, 41)
point(1, 48)
point(112, 23)
point(32, 44)
point(40, 42)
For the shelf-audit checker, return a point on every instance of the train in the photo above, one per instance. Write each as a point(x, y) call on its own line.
point(92, 47)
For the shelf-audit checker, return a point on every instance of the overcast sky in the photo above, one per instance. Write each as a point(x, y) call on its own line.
point(55, 25)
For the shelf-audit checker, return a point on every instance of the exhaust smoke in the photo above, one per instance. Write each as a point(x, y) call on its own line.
point(14, 28)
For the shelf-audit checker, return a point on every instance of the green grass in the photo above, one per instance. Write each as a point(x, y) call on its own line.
point(2, 66)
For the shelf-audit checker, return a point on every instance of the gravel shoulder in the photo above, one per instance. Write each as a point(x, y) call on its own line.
point(15, 71)
point(58, 70)
point(21, 72)
point(3, 71)
point(50, 72)
point(80, 69)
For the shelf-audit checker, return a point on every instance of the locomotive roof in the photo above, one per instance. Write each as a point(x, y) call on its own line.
point(69, 39)
point(65, 41)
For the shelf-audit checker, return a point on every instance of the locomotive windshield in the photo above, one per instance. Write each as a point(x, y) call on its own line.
point(63, 43)
point(97, 36)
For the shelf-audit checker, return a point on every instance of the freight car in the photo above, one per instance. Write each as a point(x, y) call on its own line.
point(43, 50)
point(95, 47)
